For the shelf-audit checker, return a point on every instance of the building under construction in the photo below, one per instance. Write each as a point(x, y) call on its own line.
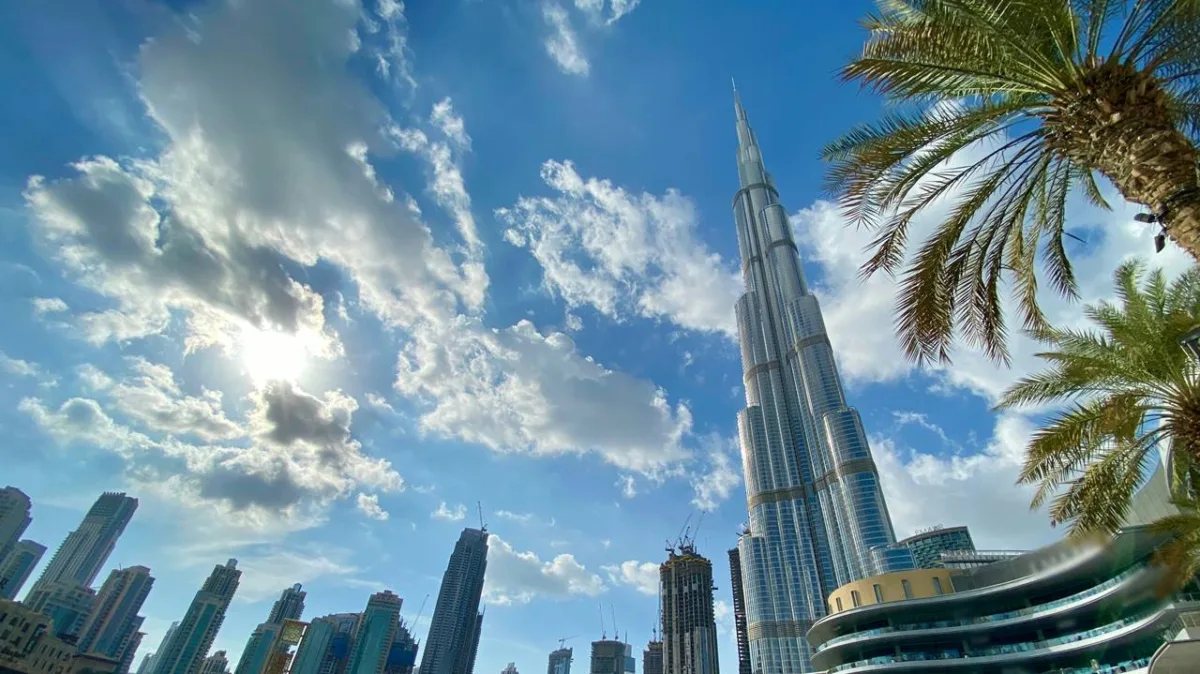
point(689, 630)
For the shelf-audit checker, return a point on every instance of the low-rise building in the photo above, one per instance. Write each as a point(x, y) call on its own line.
point(28, 644)
point(1075, 606)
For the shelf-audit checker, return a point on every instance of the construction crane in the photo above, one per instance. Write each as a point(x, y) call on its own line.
point(564, 640)
point(482, 526)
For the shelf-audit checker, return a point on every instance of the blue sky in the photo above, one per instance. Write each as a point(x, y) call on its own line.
point(310, 279)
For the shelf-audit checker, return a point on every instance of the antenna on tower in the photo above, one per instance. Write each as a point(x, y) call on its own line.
point(482, 526)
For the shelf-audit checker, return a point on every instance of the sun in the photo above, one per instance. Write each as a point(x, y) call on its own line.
point(271, 355)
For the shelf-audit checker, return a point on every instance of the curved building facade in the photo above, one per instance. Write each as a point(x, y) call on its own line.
point(817, 517)
point(1071, 607)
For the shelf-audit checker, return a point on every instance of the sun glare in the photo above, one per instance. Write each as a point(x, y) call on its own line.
point(270, 355)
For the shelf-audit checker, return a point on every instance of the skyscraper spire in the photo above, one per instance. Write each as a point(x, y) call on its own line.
point(817, 515)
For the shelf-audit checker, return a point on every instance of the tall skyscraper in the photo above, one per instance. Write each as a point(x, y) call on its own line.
point(188, 646)
point(79, 559)
point(689, 628)
point(289, 606)
point(560, 661)
point(14, 518)
point(454, 631)
point(132, 644)
point(217, 663)
point(510, 669)
point(152, 666)
point(375, 634)
point(817, 514)
point(147, 663)
point(652, 658)
point(16, 567)
point(739, 613)
point(111, 627)
point(402, 656)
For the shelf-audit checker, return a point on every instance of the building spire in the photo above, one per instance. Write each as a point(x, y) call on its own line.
point(737, 102)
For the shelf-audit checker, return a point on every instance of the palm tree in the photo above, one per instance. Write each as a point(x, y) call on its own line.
point(1042, 95)
point(1129, 387)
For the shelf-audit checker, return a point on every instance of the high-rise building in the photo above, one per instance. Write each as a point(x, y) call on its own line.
point(16, 567)
point(66, 604)
point(14, 518)
point(147, 662)
point(289, 606)
point(375, 633)
point(652, 658)
point(217, 663)
point(510, 669)
point(79, 559)
point(457, 623)
point(739, 612)
point(817, 514)
point(927, 546)
point(131, 646)
point(188, 646)
point(689, 628)
point(111, 628)
point(152, 666)
point(560, 661)
point(608, 657)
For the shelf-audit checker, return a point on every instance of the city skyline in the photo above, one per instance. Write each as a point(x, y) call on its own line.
point(310, 284)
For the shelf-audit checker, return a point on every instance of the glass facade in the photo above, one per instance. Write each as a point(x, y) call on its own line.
point(185, 649)
point(456, 625)
point(816, 508)
point(1061, 609)
point(928, 546)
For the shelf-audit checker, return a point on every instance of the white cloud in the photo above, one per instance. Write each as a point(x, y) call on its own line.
point(628, 486)
point(519, 577)
point(456, 513)
point(973, 488)
point(18, 367)
point(521, 518)
point(153, 399)
point(641, 576)
point(269, 569)
point(518, 390)
point(450, 123)
point(594, 9)
point(562, 44)
point(301, 456)
point(369, 505)
point(92, 379)
point(48, 305)
point(268, 139)
point(722, 475)
point(379, 402)
point(624, 254)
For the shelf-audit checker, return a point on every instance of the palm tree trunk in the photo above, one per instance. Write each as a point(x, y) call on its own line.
point(1121, 124)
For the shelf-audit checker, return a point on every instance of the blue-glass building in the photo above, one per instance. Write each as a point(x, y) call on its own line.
point(16, 567)
point(376, 632)
point(184, 652)
point(817, 514)
point(928, 546)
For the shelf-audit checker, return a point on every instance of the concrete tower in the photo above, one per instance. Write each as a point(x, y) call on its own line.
point(817, 514)
point(289, 606)
point(454, 631)
point(739, 613)
point(689, 629)
point(16, 567)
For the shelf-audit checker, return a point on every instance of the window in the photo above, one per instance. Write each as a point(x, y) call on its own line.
point(878, 593)
point(907, 588)
point(854, 599)
point(839, 602)
point(937, 586)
